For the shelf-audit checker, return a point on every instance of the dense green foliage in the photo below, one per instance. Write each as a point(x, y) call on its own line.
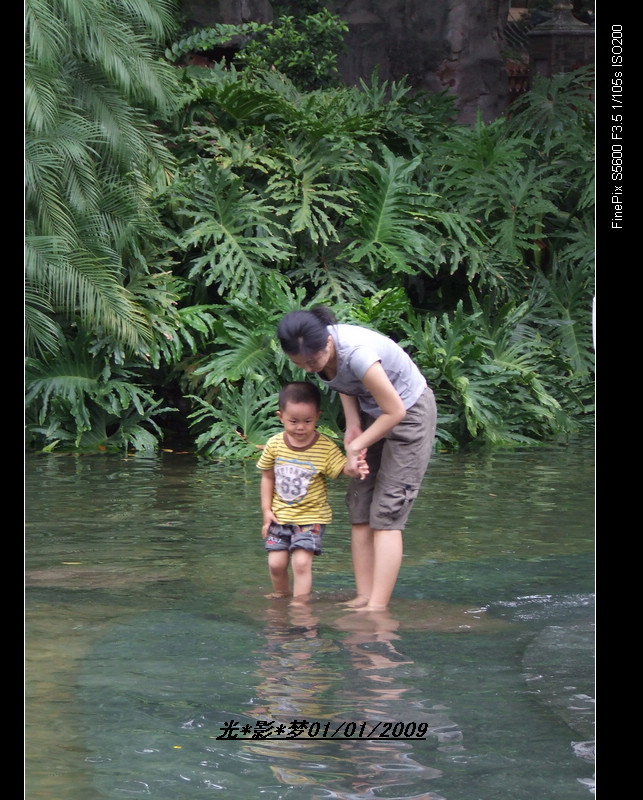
point(157, 284)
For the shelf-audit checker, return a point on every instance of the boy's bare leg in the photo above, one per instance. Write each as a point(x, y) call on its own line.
point(302, 570)
point(278, 561)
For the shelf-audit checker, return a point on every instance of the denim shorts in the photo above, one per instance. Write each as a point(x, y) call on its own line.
point(397, 465)
point(290, 537)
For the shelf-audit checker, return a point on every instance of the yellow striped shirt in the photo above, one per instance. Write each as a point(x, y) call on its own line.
point(300, 494)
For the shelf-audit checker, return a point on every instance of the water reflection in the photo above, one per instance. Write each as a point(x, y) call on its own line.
point(383, 697)
point(147, 632)
point(360, 730)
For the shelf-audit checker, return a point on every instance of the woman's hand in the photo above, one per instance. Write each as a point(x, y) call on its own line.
point(362, 465)
point(356, 465)
point(390, 404)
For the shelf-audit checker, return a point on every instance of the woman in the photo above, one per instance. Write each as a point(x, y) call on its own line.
point(389, 410)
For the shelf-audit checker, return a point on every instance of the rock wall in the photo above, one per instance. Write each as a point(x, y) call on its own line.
point(202, 13)
point(451, 45)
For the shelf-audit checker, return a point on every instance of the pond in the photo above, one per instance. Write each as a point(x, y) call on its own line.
point(156, 667)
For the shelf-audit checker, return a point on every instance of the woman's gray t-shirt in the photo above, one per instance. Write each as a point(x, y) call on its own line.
point(358, 349)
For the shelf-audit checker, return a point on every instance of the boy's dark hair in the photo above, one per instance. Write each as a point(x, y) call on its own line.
point(300, 392)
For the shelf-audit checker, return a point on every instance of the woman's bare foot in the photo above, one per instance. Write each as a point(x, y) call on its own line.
point(356, 602)
point(277, 595)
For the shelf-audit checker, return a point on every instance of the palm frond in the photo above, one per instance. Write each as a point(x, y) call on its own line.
point(42, 334)
point(83, 401)
point(85, 282)
point(92, 155)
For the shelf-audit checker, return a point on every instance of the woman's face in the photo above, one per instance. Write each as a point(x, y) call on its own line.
point(314, 362)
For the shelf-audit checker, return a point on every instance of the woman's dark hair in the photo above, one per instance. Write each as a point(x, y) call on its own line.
point(300, 392)
point(305, 332)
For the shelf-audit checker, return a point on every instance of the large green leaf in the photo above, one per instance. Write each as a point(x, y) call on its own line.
point(386, 232)
point(234, 233)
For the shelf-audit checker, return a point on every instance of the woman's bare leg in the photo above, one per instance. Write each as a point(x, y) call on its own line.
point(363, 561)
point(387, 560)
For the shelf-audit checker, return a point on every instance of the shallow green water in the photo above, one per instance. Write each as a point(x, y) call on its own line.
point(148, 638)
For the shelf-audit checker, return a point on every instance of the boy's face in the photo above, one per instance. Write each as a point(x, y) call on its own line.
point(299, 421)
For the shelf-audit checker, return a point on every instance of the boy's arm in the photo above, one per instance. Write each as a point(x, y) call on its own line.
point(267, 491)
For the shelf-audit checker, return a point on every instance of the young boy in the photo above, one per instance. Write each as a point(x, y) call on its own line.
point(294, 498)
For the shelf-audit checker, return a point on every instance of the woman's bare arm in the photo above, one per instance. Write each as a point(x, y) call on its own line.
point(376, 381)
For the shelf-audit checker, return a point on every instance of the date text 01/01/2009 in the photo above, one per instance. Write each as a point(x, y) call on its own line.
point(269, 729)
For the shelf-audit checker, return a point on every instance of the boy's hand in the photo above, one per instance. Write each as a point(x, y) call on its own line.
point(268, 519)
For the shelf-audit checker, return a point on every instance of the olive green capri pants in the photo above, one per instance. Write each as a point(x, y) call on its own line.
point(397, 465)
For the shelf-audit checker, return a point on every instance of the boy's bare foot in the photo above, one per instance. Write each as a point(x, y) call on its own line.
point(300, 601)
point(276, 595)
point(356, 602)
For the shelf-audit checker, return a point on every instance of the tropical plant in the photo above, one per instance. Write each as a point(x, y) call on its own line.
point(92, 157)
point(303, 47)
point(245, 365)
point(561, 307)
point(101, 302)
point(350, 209)
point(235, 234)
point(238, 424)
point(487, 380)
point(556, 109)
point(371, 222)
point(165, 276)
point(82, 401)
